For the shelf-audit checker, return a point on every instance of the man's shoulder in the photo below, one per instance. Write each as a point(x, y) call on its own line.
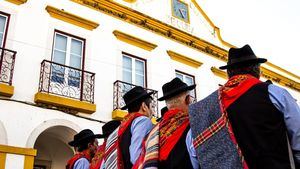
point(213, 97)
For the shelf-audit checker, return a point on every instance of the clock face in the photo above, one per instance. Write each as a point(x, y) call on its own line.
point(180, 10)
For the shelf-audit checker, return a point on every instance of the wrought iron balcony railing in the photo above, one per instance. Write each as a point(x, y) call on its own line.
point(7, 62)
point(67, 81)
point(120, 88)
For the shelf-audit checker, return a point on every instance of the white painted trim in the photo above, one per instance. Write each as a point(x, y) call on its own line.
point(47, 124)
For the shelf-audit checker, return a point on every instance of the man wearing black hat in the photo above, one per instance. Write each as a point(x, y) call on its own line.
point(124, 144)
point(86, 144)
point(245, 123)
point(168, 146)
point(107, 129)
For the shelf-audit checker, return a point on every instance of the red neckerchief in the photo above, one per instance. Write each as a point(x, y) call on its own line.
point(99, 156)
point(77, 156)
point(235, 87)
point(171, 128)
point(123, 127)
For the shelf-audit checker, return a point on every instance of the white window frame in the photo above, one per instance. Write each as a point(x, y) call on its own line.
point(68, 50)
point(133, 73)
point(184, 77)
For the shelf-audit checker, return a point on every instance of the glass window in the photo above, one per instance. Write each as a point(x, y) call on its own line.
point(3, 22)
point(133, 70)
point(67, 51)
point(139, 73)
point(188, 79)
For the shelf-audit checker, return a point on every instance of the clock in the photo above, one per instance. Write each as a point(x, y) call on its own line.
point(180, 10)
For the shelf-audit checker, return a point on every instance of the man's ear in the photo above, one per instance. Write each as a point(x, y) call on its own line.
point(187, 99)
point(144, 106)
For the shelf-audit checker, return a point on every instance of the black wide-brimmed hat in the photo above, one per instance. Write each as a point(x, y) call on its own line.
point(135, 95)
point(174, 87)
point(83, 136)
point(241, 56)
point(109, 127)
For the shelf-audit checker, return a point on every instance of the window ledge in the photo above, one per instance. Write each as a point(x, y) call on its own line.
point(71, 18)
point(6, 90)
point(134, 41)
point(60, 101)
point(17, 2)
point(120, 114)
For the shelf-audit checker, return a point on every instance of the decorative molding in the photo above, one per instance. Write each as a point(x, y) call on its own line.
point(130, 1)
point(280, 79)
point(218, 32)
point(219, 72)
point(134, 41)
point(63, 102)
point(282, 70)
point(146, 22)
point(216, 29)
point(71, 18)
point(6, 90)
point(268, 74)
point(184, 59)
point(17, 2)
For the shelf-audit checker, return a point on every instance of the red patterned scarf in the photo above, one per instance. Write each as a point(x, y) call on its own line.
point(113, 156)
point(171, 128)
point(230, 92)
point(77, 156)
point(98, 158)
point(162, 139)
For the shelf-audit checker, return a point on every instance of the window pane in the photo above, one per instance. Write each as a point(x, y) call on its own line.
point(127, 69)
point(1, 38)
point(180, 76)
point(139, 80)
point(76, 47)
point(127, 63)
point(60, 42)
point(2, 29)
point(2, 23)
point(59, 57)
point(139, 67)
point(75, 61)
point(127, 76)
point(139, 73)
point(189, 80)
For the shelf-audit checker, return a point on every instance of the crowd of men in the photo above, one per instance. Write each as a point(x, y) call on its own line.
point(245, 124)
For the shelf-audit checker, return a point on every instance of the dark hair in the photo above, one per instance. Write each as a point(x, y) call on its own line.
point(136, 107)
point(252, 69)
point(84, 145)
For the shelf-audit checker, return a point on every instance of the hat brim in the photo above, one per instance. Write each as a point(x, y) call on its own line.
point(137, 99)
point(176, 92)
point(75, 143)
point(250, 61)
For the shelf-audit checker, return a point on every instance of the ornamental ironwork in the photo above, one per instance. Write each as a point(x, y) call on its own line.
point(7, 62)
point(120, 88)
point(66, 81)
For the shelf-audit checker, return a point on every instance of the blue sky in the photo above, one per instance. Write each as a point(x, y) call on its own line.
point(271, 27)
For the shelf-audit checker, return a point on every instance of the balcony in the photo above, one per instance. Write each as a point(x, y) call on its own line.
point(66, 87)
point(120, 88)
point(7, 62)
